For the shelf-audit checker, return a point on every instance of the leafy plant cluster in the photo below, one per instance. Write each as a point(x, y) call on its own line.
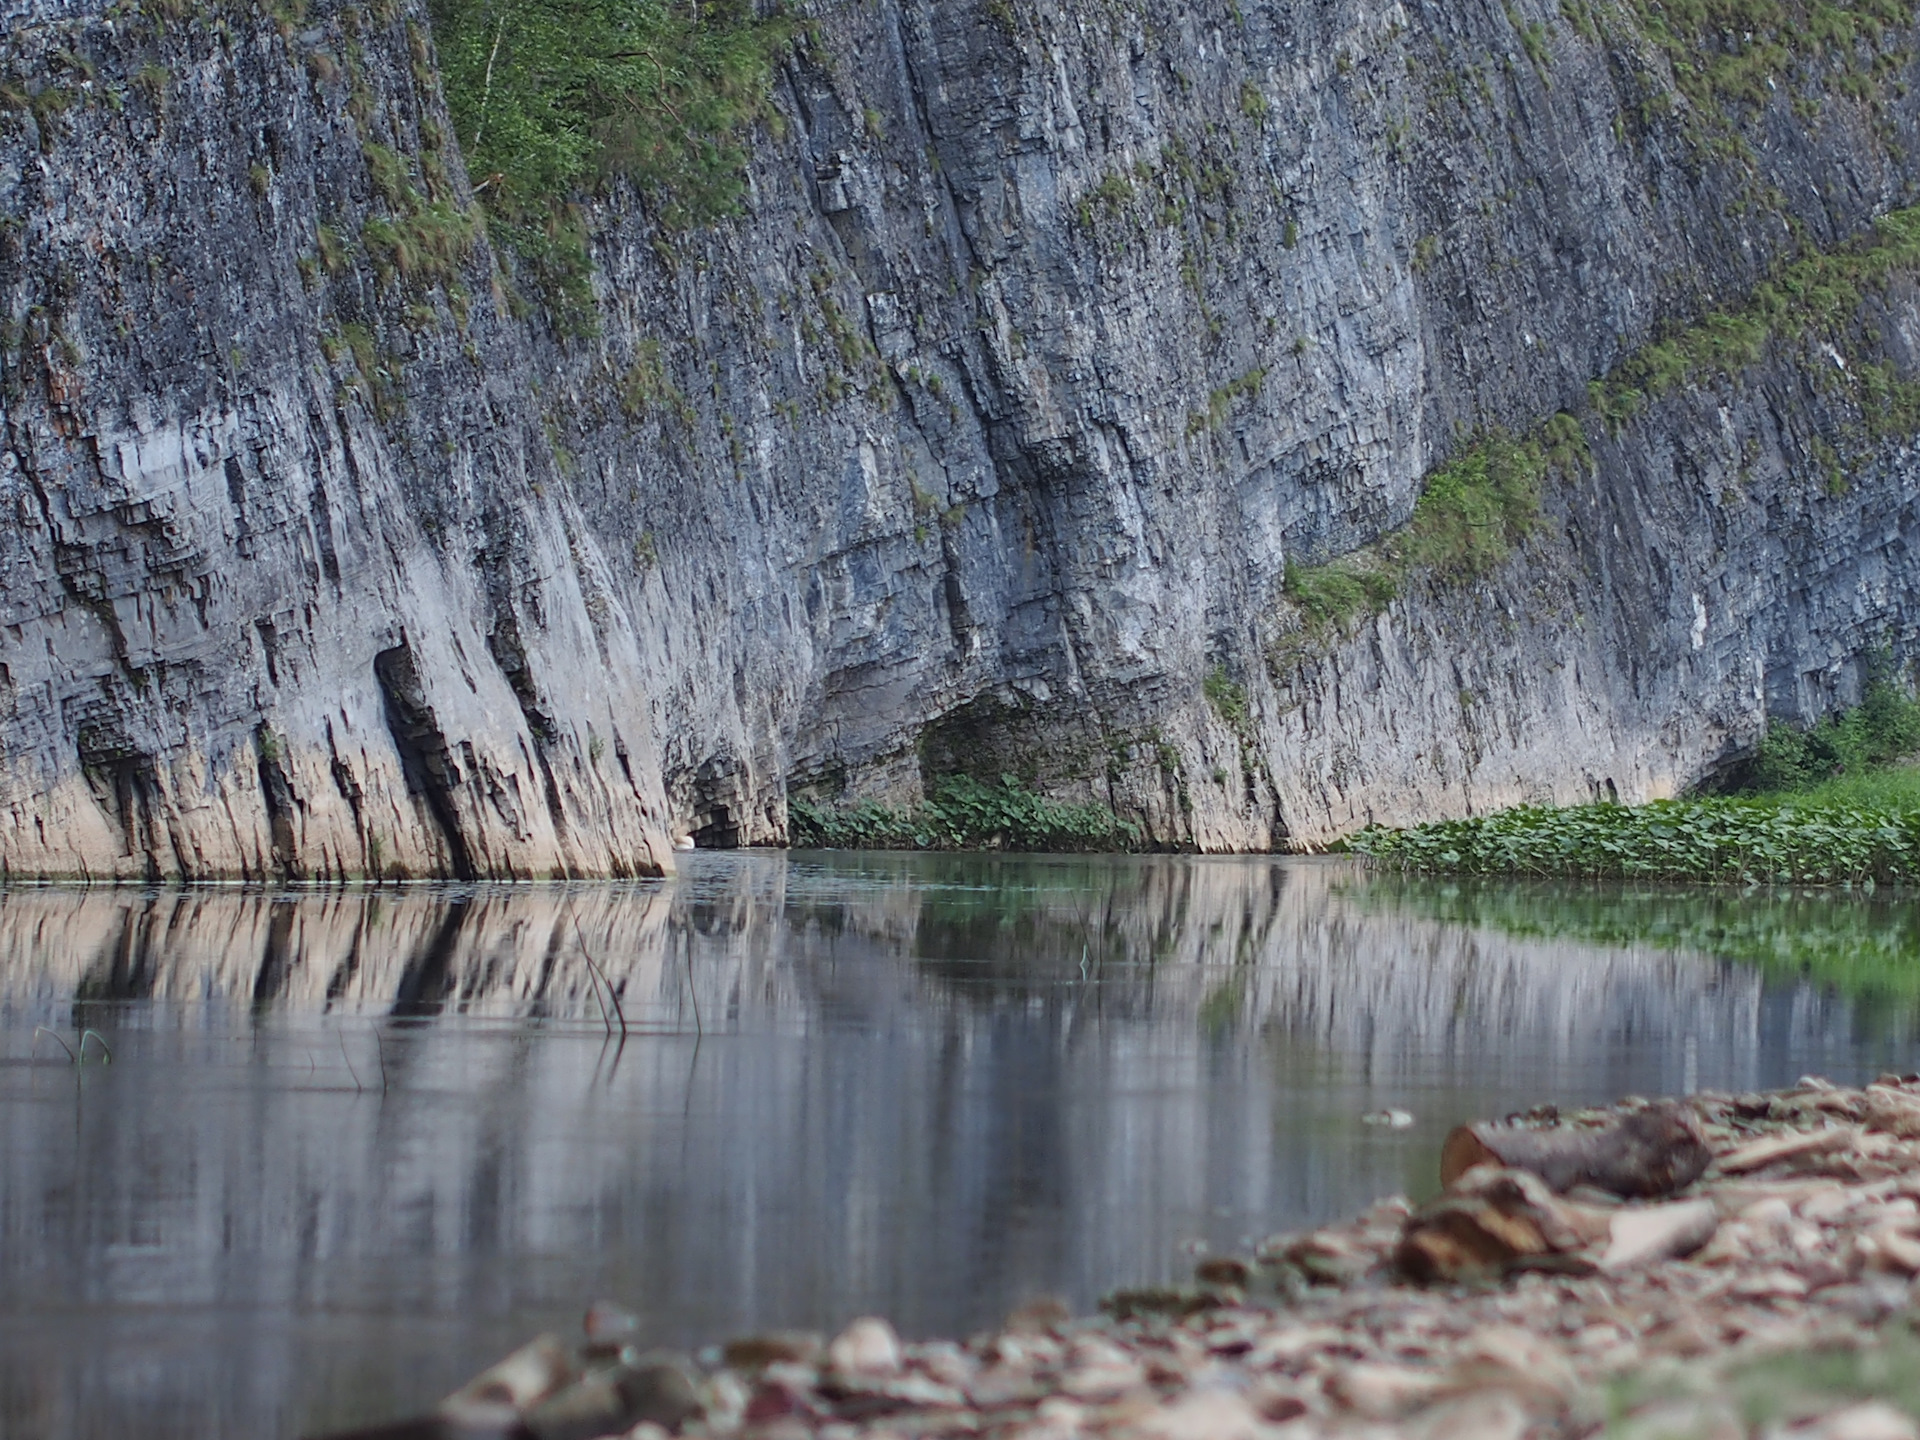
point(423, 239)
point(1220, 402)
point(964, 814)
point(552, 97)
point(1470, 515)
point(1723, 51)
point(1228, 700)
point(1820, 294)
point(1816, 806)
point(1883, 727)
point(1750, 841)
point(1483, 502)
point(1864, 947)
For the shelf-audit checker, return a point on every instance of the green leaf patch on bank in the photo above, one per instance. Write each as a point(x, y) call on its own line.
point(963, 814)
point(1747, 841)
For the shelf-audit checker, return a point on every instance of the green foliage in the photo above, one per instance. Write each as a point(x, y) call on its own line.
point(1229, 701)
point(1113, 193)
point(1883, 727)
point(1747, 841)
point(553, 252)
point(1476, 508)
point(1820, 294)
point(964, 814)
point(1804, 825)
point(647, 387)
point(1335, 594)
point(392, 176)
point(1533, 39)
point(376, 378)
point(426, 244)
point(1220, 402)
point(550, 96)
point(332, 250)
point(1724, 52)
point(1579, 14)
point(1471, 514)
point(151, 82)
point(1896, 787)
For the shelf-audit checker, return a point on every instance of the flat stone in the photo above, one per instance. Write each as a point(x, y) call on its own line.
point(1681, 1420)
point(1658, 1232)
point(1383, 1392)
point(1475, 1417)
point(868, 1346)
point(1201, 1415)
point(1874, 1420)
point(756, 1352)
point(523, 1379)
point(1892, 1113)
point(1769, 1285)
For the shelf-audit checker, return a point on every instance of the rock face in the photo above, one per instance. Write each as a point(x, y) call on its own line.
point(292, 582)
point(1050, 335)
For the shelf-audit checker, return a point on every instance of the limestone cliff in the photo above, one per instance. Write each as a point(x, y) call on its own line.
point(1049, 336)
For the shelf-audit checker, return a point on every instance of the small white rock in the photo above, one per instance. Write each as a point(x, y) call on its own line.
point(868, 1346)
point(1202, 1415)
point(1874, 1420)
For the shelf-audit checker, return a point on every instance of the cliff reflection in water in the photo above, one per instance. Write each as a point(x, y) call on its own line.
point(352, 1145)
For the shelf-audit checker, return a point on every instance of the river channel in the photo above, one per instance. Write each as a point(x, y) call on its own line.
point(352, 1145)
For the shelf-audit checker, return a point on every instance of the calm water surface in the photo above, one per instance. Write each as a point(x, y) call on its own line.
point(352, 1146)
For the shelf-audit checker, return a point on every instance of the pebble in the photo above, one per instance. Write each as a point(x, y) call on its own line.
point(866, 1347)
point(1874, 1420)
point(1389, 1119)
point(1804, 1233)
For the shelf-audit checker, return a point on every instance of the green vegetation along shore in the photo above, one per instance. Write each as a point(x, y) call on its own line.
point(1827, 805)
point(963, 814)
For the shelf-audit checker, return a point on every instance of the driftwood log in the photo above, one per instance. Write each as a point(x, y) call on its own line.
point(1653, 1152)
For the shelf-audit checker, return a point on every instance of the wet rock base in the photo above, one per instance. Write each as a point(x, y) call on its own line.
point(1759, 1285)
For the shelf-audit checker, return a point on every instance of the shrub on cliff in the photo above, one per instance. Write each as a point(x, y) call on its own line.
point(552, 97)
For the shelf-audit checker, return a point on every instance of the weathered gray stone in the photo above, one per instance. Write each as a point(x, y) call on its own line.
point(314, 573)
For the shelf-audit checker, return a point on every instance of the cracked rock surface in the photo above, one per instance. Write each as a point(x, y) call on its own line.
point(1048, 337)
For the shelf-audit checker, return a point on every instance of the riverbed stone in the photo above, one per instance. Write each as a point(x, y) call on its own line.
point(867, 1347)
point(1798, 1264)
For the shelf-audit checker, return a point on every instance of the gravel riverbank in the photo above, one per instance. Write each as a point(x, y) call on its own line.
point(1762, 1290)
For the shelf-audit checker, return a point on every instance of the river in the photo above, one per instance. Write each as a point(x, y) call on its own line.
point(352, 1145)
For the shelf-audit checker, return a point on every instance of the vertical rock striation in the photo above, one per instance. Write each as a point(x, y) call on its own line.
point(292, 582)
point(1050, 336)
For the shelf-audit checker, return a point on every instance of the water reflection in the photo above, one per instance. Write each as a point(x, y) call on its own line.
point(352, 1145)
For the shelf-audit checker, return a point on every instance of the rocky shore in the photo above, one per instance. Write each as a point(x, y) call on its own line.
point(1758, 1283)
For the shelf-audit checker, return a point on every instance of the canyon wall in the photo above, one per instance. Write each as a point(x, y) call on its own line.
point(1048, 337)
